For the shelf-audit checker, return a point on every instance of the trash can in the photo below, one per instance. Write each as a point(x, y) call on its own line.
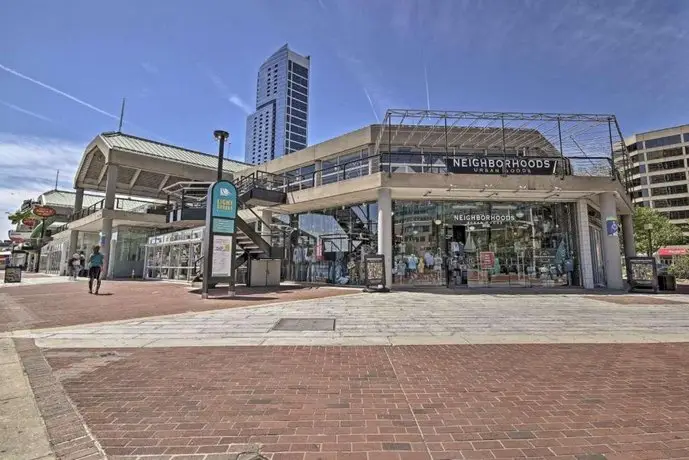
point(667, 282)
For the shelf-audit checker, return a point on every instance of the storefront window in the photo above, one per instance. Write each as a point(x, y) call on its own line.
point(329, 246)
point(174, 255)
point(483, 244)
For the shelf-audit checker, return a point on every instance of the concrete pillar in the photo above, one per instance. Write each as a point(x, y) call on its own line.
point(385, 231)
point(318, 176)
point(110, 187)
point(267, 220)
point(79, 200)
point(106, 229)
point(105, 244)
point(73, 241)
point(628, 235)
point(585, 262)
point(611, 243)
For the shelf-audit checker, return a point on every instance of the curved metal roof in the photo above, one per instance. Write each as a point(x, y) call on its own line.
point(129, 143)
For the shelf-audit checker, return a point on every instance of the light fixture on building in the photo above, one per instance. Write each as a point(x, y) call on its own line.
point(472, 228)
point(438, 221)
point(519, 214)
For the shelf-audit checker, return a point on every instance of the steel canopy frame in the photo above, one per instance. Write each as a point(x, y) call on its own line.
point(590, 141)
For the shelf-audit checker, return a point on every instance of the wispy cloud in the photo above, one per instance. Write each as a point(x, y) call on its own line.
point(77, 100)
point(25, 111)
point(354, 49)
point(57, 91)
point(19, 156)
point(231, 97)
point(149, 68)
point(236, 100)
point(373, 107)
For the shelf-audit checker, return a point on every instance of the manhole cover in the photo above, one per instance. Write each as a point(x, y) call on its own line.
point(305, 324)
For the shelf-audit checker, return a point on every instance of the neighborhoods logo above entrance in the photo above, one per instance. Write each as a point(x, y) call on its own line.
point(495, 165)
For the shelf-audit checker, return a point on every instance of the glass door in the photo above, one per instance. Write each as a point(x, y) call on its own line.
point(597, 256)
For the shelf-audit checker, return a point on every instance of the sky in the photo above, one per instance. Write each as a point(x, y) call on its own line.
point(187, 68)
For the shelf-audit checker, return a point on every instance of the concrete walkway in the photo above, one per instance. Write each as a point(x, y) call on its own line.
point(401, 318)
point(33, 279)
point(22, 430)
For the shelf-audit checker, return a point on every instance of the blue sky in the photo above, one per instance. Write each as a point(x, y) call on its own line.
point(187, 68)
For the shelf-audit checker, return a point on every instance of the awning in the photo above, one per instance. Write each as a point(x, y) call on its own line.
point(666, 252)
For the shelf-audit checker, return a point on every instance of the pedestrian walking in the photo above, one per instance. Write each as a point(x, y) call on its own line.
point(82, 264)
point(74, 266)
point(95, 267)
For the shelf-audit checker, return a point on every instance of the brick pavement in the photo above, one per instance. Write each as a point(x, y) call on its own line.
point(66, 304)
point(69, 437)
point(577, 401)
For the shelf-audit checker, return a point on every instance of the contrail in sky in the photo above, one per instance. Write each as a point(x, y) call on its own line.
point(370, 101)
point(75, 99)
point(428, 96)
point(57, 91)
point(27, 112)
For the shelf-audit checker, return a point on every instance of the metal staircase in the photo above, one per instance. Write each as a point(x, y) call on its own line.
point(254, 239)
point(262, 189)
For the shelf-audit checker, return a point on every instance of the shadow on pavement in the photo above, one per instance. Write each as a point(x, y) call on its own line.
point(521, 291)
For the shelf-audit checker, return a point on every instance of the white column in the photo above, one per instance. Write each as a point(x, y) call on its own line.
point(73, 240)
point(110, 187)
point(105, 244)
point(267, 220)
point(318, 176)
point(385, 231)
point(628, 235)
point(611, 243)
point(585, 262)
point(106, 229)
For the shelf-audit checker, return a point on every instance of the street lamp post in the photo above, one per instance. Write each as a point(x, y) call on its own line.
point(222, 137)
point(649, 229)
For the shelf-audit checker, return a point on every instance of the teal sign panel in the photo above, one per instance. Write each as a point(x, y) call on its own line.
point(223, 226)
point(224, 200)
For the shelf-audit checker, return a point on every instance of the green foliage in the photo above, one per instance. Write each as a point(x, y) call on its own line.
point(680, 267)
point(19, 215)
point(664, 233)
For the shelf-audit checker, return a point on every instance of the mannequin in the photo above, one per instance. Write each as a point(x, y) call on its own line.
point(298, 258)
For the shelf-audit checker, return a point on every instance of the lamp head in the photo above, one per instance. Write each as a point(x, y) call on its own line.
point(221, 135)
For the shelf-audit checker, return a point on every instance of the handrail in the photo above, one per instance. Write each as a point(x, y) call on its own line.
point(432, 162)
point(260, 219)
point(97, 206)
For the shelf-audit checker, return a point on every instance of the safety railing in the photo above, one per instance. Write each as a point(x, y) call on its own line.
point(95, 207)
point(261, 179)
point(414, 162)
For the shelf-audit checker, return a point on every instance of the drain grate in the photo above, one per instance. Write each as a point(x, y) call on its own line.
point(305, 324)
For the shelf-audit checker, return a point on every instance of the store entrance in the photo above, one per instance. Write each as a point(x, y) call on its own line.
point(483, 244)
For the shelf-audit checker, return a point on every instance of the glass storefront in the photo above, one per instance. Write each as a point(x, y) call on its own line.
point(174, 256)
point(484, 244)
point(435, 243)
point(329, 246)
point(51, 256)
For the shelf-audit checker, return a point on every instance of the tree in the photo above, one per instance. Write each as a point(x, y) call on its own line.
point(664, 232)
point(680, 267)
point(17, 216)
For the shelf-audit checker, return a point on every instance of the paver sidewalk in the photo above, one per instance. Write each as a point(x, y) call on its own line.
point(68, 303)
point(398, 318)
point(22, 431)
point(578, 402)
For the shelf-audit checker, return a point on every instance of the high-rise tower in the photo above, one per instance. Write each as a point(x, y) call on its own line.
point(279, 125)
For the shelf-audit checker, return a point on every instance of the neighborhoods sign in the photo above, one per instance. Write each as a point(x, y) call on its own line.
point(533, 166)
point(484, 217)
